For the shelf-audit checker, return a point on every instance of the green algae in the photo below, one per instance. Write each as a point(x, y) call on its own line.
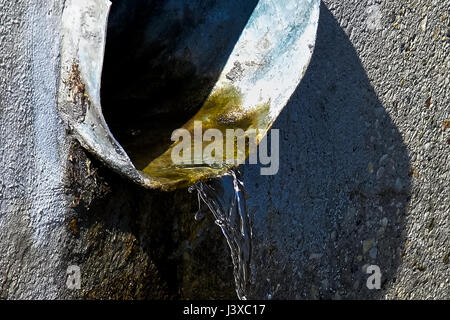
point(222, 110)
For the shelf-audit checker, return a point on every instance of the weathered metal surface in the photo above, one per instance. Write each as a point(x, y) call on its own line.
point(83, 43)
point(265, 66)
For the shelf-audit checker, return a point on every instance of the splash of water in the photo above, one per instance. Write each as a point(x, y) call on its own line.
point(225, 198)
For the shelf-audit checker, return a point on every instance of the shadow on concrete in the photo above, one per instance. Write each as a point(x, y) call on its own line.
point(162, 59)
point(337, 204)
point(340, 197)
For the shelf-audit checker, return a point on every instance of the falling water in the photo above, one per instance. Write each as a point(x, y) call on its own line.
point(225, 198)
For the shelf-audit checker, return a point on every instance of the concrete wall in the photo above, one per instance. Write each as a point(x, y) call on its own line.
point(32, 140)
point(364, 175)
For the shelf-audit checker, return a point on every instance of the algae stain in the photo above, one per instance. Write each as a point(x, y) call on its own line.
point(222, 110)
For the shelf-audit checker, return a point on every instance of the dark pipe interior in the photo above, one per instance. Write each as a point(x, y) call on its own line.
point(162, 59)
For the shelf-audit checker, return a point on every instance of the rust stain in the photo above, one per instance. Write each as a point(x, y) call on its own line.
point(413, 172)
point(446, 124)
point(76, 86)
point(428, 103)
point(77, 92)
point(76, 202)
point(73, 226)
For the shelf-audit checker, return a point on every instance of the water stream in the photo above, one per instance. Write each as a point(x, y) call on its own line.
point(225, 198)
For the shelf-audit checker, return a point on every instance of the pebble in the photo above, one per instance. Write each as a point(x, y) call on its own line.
point(367, 244)
point(398, 185)
point(373, 252)
point(380, 172)
point(423, 24)
point(315, 256)
point(364, 268)
point(333, 235)
point(383, 159)
point(370, 167)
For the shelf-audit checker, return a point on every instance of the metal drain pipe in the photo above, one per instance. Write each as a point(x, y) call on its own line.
point(258, 76)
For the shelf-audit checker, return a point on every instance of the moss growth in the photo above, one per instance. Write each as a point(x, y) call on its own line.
point(222, 110)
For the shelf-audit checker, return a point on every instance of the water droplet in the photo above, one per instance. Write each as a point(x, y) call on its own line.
point(225, 198)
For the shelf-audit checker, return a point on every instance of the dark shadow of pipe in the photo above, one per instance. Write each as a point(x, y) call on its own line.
point(340, 197)
point(343, 182)
point(162, 59)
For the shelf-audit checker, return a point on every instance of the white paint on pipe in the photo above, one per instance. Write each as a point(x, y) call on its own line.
point(273, 52)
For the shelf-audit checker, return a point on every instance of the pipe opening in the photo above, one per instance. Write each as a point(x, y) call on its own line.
point(162, 59)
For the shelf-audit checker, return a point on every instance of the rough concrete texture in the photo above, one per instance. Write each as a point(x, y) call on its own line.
point(364, 175)
point(133, 243)
point(32, 202)
point(60, 207)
